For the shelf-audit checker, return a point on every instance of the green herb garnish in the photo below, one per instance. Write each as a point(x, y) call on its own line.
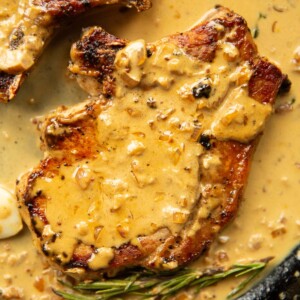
point(149, 285)
point(255, 31)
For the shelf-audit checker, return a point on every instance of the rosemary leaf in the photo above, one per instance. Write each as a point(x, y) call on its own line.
point(242, 285)
point(68, 296)
point(150, 285)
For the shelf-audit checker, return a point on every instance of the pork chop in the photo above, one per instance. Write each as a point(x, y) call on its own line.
point(153, 166)
point(27, 25)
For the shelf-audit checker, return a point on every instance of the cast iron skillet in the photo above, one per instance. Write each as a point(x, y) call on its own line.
point(283, 283)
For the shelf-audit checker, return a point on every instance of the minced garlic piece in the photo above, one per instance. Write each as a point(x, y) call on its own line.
point(179, 217)
point(129, 60)
point(135, 148)
point(48, 232)
point(83, 177)
point(230, 51)
point(101, 258)
point(82, 228)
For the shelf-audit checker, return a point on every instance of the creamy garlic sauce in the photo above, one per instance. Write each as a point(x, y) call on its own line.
point(268, 223)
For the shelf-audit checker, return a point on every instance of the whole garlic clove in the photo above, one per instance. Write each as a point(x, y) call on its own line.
point(10, 219)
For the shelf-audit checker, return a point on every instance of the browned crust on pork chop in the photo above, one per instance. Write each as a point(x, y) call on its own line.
point(9, 85)
point(50, 15)
point(63, 8)
point(94, 55)
point(96, 52)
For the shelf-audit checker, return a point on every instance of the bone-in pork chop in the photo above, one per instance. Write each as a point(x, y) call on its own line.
point(153, 166)
point(27, 25)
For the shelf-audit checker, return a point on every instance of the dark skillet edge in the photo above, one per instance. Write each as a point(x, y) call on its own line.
point(282, 283)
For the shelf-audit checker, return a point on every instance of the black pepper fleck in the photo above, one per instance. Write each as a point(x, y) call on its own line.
point(202, 91)
point(151, 103)
point(285, 86)
point(149, 53)
point(205, 141)
point(44, 249)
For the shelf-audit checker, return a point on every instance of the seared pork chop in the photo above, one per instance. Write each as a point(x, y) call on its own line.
point(27, 26)
point(148, 171)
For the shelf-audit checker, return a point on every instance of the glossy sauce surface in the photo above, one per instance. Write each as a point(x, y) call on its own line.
point(267, 223)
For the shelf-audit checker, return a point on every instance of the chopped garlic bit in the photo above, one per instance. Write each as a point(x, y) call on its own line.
point(230, 51)
point(83, 177)
point(97, 232)
point(278, 231)
point(101, 258)
point(221, 256)
point(187, 127)
point(135, 148)
point(10, 220)
point(256, 241)
point(134, 112)
point(179, 217)
point(278, 227)
point(170, 265)
point(183, 201)
point(241, 75)
point(75, 271)
point(129, 61)
point(219, 27)
point(118, 200)
point(82, 228)
point(174, 65)
point(123, 228)
point(16, 259)
point(210, 161)
point(175, 154)
point(185, 92)
point(48, 232)
point(223, 239)
point(163, 115)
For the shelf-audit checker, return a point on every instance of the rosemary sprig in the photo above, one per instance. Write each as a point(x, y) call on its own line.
point(146, 285)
